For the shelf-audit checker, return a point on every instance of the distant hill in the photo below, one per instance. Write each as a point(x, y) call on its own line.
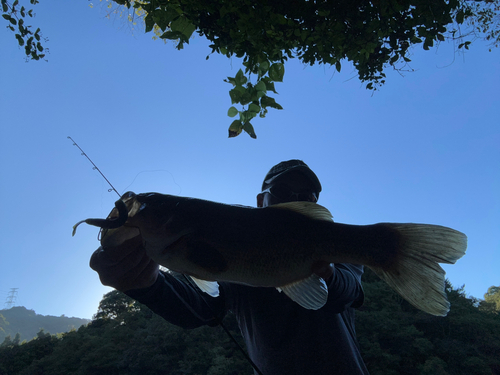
point(27, 323)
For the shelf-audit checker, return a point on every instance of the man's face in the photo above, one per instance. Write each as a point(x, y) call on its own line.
point(292, 186)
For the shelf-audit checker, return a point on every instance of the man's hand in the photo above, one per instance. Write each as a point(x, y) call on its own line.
point(125, 267)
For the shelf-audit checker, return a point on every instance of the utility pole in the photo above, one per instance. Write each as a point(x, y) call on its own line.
point(11, 298)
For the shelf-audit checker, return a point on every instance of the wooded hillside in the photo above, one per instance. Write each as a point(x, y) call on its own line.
point(27, 323)
point(127, 338)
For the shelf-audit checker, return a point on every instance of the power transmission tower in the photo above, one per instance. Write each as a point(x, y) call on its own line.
point(11, 298)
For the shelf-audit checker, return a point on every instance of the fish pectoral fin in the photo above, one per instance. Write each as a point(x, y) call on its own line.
point(309, 209)
point(310, 293)
point(209, 287)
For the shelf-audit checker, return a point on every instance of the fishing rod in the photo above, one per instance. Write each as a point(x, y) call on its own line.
point(95, 167)
point(190, 282)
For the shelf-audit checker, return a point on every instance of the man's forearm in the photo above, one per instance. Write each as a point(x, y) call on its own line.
point(179, 303)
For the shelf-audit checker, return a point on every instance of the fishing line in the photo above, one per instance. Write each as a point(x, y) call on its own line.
point(156, 170)
point(219, 322)
point(189, 281)
point(95, 167)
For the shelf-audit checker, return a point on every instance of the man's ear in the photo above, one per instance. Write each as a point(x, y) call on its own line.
point(260, 200)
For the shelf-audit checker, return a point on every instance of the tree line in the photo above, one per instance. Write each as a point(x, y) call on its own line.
point(125, 337)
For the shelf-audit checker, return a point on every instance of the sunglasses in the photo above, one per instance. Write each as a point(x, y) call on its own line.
point(283, 193)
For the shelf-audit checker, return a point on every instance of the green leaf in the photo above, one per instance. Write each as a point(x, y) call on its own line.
point(171, 35)
point(149, 21)
point(276, 72)
point(248, 116)
point(254, 108)
point(263, 67)
point(246, 98)
point(20, 40)
point(235, 95)
point(232, 111)
point(261, 86)
point(162, 19)
point(235, 128)
point(338, 66)
point(269, 84)
point(249, 129)
point(266, 101)
point(231, 80)
point(240, 78)
point(258, 94)
point(240, 89)
point(182, 25)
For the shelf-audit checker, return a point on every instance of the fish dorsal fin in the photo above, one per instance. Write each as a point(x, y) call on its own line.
point(209, 287)
point(310, 293)
point(309, 209)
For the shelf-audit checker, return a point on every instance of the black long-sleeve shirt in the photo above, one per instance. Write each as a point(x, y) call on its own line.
point(281, 336)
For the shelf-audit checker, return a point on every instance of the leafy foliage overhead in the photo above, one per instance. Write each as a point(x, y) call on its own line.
point(15, 15)
point(373, 35)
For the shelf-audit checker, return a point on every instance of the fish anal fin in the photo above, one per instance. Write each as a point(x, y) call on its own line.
point(310, 293)
point(309, 209)
point(209, 287)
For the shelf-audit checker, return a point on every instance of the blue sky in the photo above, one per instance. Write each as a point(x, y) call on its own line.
point(424, 149)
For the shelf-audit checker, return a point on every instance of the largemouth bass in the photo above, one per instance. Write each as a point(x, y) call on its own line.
point(278, 246)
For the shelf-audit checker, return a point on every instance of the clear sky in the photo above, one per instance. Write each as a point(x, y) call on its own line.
point(423, 149)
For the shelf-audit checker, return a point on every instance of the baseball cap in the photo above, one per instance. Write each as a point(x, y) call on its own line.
point(287, 167)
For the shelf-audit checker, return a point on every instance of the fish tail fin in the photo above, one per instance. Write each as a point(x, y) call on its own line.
point(416, 274)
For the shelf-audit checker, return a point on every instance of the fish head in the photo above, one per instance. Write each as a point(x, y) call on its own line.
point(149, 215)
